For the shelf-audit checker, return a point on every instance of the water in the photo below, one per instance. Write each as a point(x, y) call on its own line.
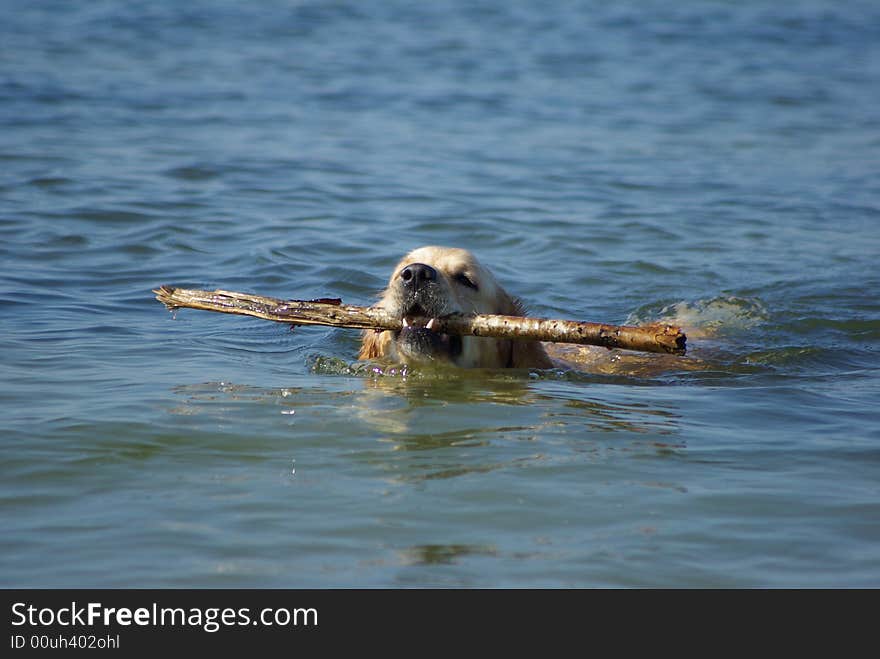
point(715, 163)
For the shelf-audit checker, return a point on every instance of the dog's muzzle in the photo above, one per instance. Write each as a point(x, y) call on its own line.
point(423, 300)
point(418, 341)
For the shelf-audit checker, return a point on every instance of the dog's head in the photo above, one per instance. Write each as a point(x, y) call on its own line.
point(435, 281)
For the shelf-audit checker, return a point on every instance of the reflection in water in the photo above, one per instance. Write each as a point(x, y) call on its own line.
point(630, 417)
point(428, 425)
point(391, 403)
point(477, 422)
point(446, 426)
point(427, 408)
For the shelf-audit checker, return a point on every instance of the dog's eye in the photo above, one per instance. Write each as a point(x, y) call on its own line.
point(464, 280)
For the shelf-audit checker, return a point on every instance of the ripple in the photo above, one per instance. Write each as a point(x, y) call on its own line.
point(51, 182)
point(194, 172)
point(858, 329)
point(110, 216)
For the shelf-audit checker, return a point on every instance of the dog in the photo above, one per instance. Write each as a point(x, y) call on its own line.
point(434, 281)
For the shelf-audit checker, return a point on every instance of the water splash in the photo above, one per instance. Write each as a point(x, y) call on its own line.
point(715, 316)
point(325, 365)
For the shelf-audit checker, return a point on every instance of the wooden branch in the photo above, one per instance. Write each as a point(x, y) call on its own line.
point(647, 338)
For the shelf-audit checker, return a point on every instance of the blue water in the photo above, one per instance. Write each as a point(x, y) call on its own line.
point(714, 163)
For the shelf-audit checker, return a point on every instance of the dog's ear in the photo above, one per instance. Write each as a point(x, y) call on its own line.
point(374, 344)
point(522, 354)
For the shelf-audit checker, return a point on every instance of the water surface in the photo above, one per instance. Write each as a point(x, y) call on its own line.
point(708, 162)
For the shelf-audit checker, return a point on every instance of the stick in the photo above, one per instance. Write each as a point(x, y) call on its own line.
point(647, 338)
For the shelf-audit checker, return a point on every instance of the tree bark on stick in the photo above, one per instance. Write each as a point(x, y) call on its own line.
point(657, 337)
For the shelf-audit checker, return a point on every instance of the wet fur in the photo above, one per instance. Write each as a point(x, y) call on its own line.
point(449, 295)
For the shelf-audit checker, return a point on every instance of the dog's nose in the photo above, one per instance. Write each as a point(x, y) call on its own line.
point(416, 275)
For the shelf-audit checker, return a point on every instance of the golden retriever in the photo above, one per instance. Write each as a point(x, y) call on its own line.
point(435, 281)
